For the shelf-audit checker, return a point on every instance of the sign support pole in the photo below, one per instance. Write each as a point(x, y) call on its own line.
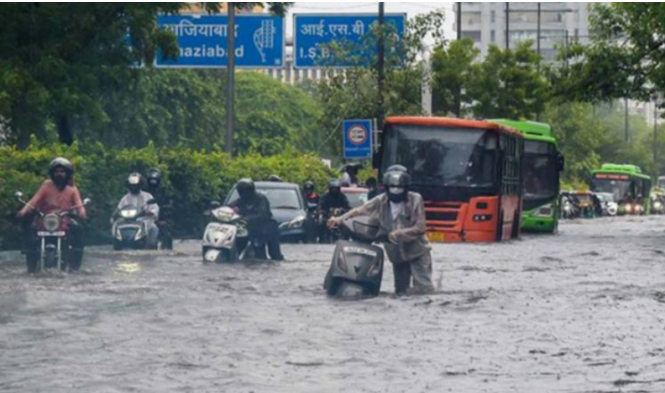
point(230, 73)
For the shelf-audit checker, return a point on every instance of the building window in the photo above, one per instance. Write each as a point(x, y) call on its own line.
point(493, 17)
point(492, 36)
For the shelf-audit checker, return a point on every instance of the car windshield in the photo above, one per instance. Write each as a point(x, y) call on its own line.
point(443, 156)
point(620, 189)
point(540, 170)
point(279, 198)
point(356, 198)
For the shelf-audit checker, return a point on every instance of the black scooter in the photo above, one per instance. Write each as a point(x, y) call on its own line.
point(356, 269)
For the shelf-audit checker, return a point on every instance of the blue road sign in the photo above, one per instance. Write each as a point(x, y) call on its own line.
point(357, 138)
point(202, 41)
point(311, 31)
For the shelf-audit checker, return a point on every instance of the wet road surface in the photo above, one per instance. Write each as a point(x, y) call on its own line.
point(583, 311)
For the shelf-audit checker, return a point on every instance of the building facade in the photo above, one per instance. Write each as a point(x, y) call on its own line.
point(486, 24)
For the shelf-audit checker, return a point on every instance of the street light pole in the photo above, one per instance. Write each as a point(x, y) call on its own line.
point(459, 20)
point(538, 39)
point(230, 73)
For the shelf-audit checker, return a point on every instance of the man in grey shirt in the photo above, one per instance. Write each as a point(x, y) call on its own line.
point(401, 215)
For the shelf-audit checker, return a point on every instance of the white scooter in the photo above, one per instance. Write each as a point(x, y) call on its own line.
point(222, 236)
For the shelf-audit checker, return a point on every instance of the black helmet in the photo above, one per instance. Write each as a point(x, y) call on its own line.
point(309, 186)
point(397, 168)
point(371, 182)
point(135, 183)
point(246, 188)
point(154, 177)
point(274, 178)
point(397, 185)
point(335, 186)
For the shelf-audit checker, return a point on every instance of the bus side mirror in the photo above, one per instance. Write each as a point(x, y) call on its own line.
point(561, 163)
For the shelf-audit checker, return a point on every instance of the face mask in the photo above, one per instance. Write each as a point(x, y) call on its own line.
point(396, 194)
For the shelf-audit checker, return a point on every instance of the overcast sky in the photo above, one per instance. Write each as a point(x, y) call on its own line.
point(409, 8)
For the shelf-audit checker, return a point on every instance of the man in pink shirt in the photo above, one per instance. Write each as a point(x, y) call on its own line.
point(56, 195)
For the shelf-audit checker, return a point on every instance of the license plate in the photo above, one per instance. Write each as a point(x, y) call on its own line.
point(437, 237)
point(57, 234)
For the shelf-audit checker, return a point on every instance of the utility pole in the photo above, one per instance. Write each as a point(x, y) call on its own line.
point(230, 73)
point(625, 117)
point(655, 139)
point(381, 63)
point(507, 25)
point(458, 21)
point(538, 39)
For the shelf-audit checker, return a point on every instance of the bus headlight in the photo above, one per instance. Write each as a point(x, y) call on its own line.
point(628, 208)
point(545, 211)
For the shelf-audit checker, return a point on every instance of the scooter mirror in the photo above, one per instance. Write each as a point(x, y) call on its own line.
point(151, 202)
point(86, 201)
point(215, 204)
point(18, 194)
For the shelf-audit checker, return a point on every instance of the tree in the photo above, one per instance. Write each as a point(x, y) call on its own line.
point(451, 76)
point(506, 84)
point(60, 61)
point(624, 59)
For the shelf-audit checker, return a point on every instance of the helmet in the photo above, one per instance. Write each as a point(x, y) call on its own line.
point(397, 185)
point(60, 162)
point(309, 186)
point(246, 188)
point(135, 183)
point(335, 186)
point(154, 177)
point(397, 168)
point(275, 178)
point(371, 182)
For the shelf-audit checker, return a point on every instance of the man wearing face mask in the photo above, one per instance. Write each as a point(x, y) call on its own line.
point(401, 215)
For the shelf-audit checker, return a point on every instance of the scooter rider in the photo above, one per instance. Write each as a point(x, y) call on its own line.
point(334, 198)
point(56, 195)
point(164, 202)
point(262, 227)
point(401, 214)
point(139, 198)
point(313, 229)
point(310, 193)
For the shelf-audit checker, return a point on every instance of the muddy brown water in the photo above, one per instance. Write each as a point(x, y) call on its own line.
point(583, 311)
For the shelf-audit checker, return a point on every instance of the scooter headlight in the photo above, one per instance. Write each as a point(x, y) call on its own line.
point(224, 214)
point(658, 205)
point(129, 213)
point(375, 269)
point(341, 262)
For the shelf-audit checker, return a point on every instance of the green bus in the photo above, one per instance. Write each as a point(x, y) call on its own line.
point(629, 186)
point(542, 166)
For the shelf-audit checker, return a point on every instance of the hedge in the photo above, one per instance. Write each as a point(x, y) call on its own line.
point(192, 177)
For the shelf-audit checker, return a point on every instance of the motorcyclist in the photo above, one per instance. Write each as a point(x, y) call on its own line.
point(401, 215)
point(310, 193)
point(164, 202)
point(56, 195)
point(262, 227)
point(350, 176)
point(334, 198)
point(312, 198)
point(139, 198)
point(373, 188)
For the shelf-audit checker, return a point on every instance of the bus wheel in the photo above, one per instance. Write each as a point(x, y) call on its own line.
point(499, 228)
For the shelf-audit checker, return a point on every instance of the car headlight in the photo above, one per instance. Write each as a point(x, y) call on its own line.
point(129, 213)
point(296, 222)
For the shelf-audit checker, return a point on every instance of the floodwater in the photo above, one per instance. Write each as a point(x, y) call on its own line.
point(583, 311)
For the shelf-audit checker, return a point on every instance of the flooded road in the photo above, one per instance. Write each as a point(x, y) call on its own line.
point(583, 311)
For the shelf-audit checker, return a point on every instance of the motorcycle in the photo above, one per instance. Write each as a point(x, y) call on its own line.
point(356, 268)
point(55, 251)
point(330, 236)
point(129, 229)
point(226, 238)
point(657, 204)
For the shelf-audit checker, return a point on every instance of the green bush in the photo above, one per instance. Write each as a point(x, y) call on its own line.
point(193, 178)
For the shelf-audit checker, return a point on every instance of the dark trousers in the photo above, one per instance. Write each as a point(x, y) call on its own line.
point(268, 236)
point(165, 236)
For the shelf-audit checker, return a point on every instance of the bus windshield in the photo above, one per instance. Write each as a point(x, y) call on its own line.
point(540, 171)
point(619, 188)
point(443, 156)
